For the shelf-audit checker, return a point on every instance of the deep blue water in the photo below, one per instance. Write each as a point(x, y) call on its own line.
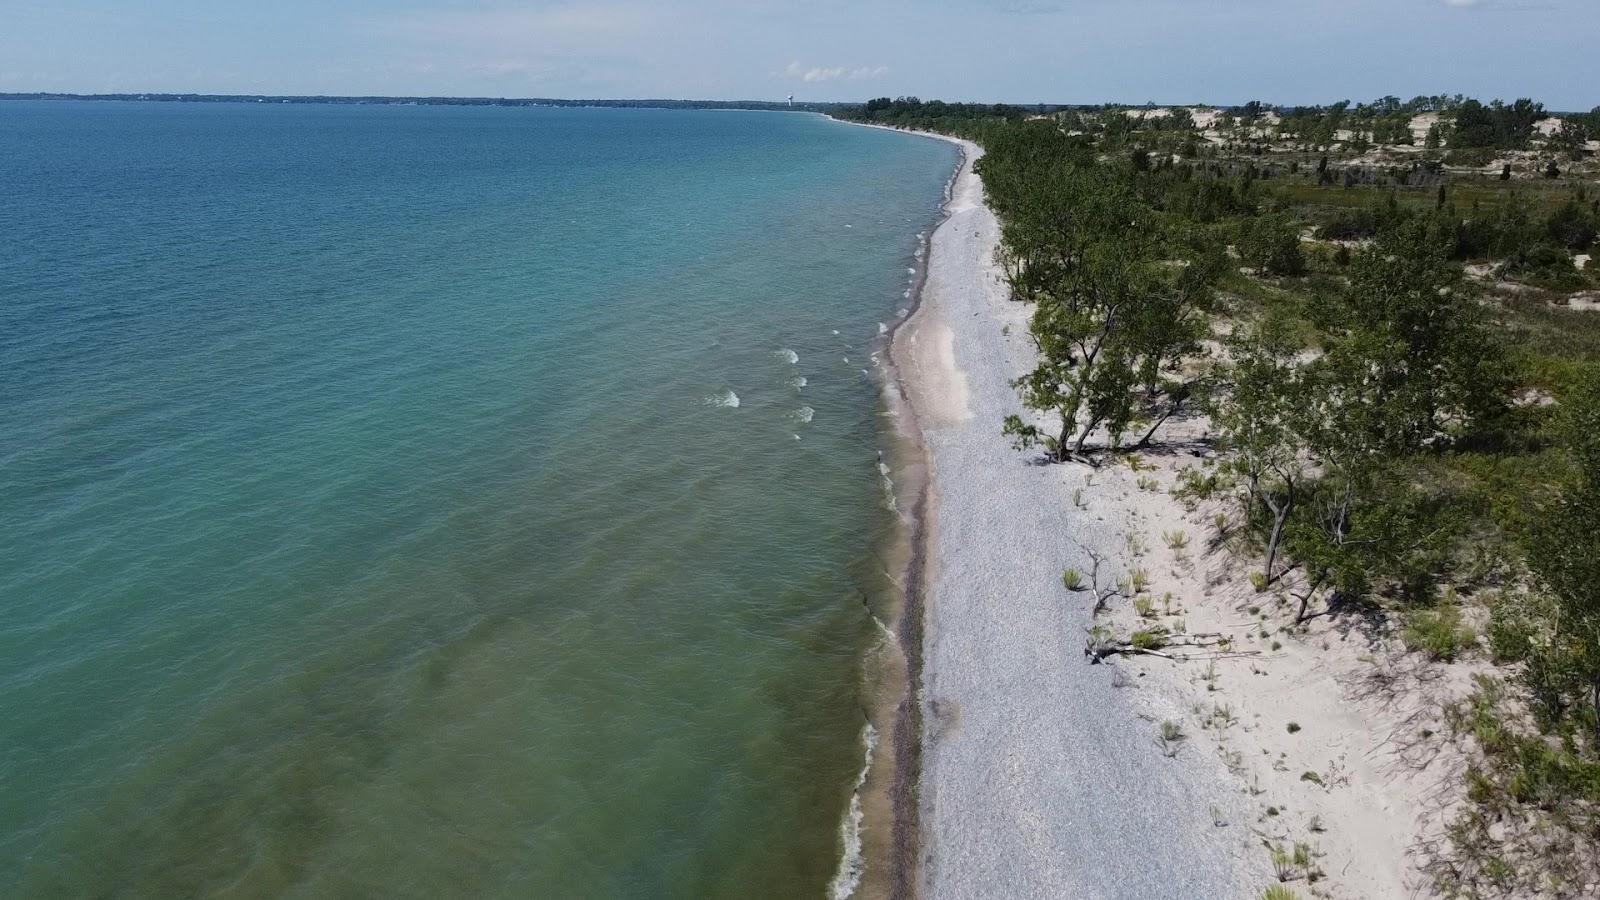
point(375, 518)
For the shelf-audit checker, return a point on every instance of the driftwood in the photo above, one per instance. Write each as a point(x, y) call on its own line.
point(1098, 647)
point(1102, 594)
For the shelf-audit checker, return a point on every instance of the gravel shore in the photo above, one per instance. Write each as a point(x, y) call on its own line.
point(1040, 776)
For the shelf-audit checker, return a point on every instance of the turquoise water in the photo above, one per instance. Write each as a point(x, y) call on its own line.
point(377, 521)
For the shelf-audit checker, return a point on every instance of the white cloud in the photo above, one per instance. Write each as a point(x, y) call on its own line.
point(833, 73)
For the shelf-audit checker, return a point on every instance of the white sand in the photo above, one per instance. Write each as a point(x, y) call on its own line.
point(1355, 778)
point(1042, 776)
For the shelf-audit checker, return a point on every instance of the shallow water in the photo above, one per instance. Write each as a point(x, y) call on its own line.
point(430, 501)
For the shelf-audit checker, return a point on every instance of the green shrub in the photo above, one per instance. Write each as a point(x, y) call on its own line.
point(1192, 485)
point(1271, 245)
point(1543, 265)
point(1350, 225)
point(1512, 628)
point(1149, 638)
point(1573, 226)
point(1438, 632)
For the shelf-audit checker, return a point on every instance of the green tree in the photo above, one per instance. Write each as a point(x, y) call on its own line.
point(1081, 326)
point(1565, 554)
point(1271, 245)
point(1496, 125)
point(1111, 315)
point(1573, 226)
point(1262, 425)
point(1415, 347)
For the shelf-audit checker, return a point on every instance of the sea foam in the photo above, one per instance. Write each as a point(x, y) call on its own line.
point(851, 865)
point(727, 399)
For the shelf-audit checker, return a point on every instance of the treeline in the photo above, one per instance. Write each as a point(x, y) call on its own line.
point(1392, 448)
point(969, 120)
point(1113, 319)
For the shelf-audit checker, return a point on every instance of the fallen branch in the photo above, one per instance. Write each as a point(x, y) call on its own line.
point(1147, 643)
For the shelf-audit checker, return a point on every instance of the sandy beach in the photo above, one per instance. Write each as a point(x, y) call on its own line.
point(1040, 775)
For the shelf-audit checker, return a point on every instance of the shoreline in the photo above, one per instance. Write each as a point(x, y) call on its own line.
point(913, 479)
point(888, 865)
point(1021, 770)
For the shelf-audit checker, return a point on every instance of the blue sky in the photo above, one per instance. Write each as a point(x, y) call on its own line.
point(1168, 51)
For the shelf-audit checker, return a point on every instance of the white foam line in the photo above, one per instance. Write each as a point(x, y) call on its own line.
point(851, 864)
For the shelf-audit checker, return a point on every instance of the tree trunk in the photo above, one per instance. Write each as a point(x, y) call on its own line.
point(1172, 409)
point(1088, 429)
point(1305, 600)
point(1280, 517)
point(1594, 687)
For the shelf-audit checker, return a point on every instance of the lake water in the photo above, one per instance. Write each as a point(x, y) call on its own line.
point(438, 501)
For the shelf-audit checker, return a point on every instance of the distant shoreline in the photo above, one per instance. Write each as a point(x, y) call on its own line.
point(371, 100)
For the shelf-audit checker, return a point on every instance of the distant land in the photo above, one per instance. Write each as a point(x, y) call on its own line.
point(825, 106)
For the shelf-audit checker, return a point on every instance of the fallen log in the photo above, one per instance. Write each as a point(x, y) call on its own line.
point(1149, 643)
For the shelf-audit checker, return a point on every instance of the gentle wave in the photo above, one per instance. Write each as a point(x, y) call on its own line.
point(852, 864)
point(888, 485)
point(790, 355)
point(726, 399)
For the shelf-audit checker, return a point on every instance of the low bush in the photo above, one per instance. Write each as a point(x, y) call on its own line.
point(1438, 632)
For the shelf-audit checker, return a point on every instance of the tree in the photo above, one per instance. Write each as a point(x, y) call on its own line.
point(1496, 125)
point(1262, 424)
point(1080, 326)
point(1573, 226)
point(1565, 554)
point(1111, 310)
point(1271, 245)
point(1474, 126)
point(1168, 329)
point(1415, 348)
point(1364, 524)
point(1569, 139)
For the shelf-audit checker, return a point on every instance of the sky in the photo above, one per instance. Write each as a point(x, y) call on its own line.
point(1017, 51)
